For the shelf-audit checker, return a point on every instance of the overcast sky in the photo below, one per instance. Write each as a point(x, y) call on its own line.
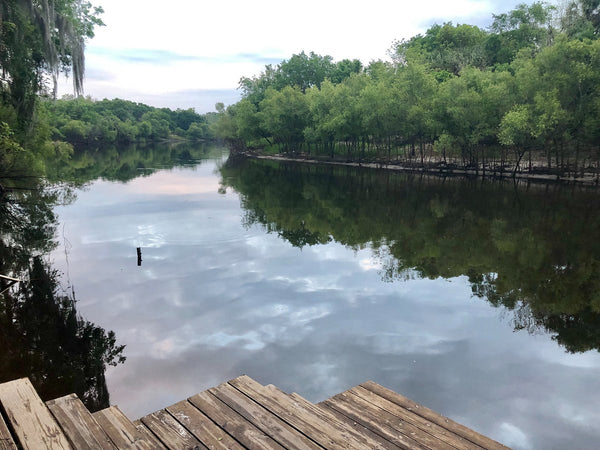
point(187, 53)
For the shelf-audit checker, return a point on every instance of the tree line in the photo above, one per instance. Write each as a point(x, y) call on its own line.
point(521, 96)
point(87, 121)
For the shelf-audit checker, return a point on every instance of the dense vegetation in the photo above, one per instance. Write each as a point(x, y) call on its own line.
point(523, 95)
point(39, 41)
point(502, 237)
point(85, 121)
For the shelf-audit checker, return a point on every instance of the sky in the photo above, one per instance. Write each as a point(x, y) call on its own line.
point(192, 54)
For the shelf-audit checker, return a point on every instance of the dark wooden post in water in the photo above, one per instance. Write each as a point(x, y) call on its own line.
point(139, 256)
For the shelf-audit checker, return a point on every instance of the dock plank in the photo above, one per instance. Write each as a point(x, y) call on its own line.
point(78, 424)
point(31, 421)
point(383, 423)
point(202, 427)
point(347, 422)
point(434, 429)
point(262, 418)
point(359, 427)
point(6, 440)
point(121, 431)
point(432, 416)
point(238, 427)
point(312, 421)
point(170, 432)
point(148, 436)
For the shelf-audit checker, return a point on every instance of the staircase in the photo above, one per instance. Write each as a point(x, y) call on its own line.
point(234, 415)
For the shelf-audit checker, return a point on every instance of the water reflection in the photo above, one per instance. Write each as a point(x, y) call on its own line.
point(42, 336)
point(533, 249)
point(215, 299)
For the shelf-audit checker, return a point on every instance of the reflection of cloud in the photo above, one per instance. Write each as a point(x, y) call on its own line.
point(164, 349)
point(512, 436)
point(164, 183)
point(216, 300)
point(370, 264)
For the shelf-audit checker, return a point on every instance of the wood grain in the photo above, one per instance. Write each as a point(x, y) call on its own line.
point(78, 424)
point(33, 425)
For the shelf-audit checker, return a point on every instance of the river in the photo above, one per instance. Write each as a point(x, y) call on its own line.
point(477, 298)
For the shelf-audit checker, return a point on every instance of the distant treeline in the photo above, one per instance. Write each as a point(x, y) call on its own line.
point(86, 121)
point(60, 126)
point(523, 95)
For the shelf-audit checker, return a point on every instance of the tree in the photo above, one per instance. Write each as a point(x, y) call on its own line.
point(445, 47)
point(581, 19)
point(41, 39)
point(526, 26)
point(284, 115)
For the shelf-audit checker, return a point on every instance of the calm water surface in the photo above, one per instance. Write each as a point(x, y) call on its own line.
point(475, 299)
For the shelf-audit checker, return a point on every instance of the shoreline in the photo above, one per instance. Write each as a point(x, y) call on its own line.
point(588, 179)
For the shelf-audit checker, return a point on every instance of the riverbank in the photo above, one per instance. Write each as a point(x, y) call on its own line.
point(585, 178)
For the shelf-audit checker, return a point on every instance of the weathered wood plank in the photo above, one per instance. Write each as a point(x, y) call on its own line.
point(384, 423)
point(202, 427)
point(432, 428)
point(6, 440)
point(238, 427)
point(262, 418)
point(348, 422)
point(170, 432)
point(314, 422)
point(148, 436)
point(121, 431)
point(423, 411)
point(31, 421)
point(78, 424)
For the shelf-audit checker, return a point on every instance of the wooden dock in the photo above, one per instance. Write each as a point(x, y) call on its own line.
point(239, 414)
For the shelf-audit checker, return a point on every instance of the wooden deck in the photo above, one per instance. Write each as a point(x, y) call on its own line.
point(238, 414)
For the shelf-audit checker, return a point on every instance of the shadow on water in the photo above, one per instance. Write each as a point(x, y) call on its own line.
point(533, 249)
point(41, 334)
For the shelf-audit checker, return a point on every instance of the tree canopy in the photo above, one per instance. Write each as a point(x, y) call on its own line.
point(518, 97)
point(41, 39)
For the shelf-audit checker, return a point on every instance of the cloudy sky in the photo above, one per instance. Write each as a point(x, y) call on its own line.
point(188, 53)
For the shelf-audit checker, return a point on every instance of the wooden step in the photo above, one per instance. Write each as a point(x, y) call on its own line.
point(262, 418)
point(32, 423)
point(78, 424)
point(170, 431)
point(358, 427)
point(202, 427)
point(429, 415)
point(320, 426)
point(148, 435)
point(121, 431)
point(6, 440)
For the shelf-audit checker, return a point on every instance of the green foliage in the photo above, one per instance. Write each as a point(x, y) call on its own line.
point(41, 39)
point(456, 96)
point(86, 121)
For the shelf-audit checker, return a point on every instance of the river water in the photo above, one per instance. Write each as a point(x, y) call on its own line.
point(475, 298)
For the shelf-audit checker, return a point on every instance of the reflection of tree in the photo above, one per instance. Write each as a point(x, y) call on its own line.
point(41, 335)
point(127, 162)
point(47, 341)
point(532, 249)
